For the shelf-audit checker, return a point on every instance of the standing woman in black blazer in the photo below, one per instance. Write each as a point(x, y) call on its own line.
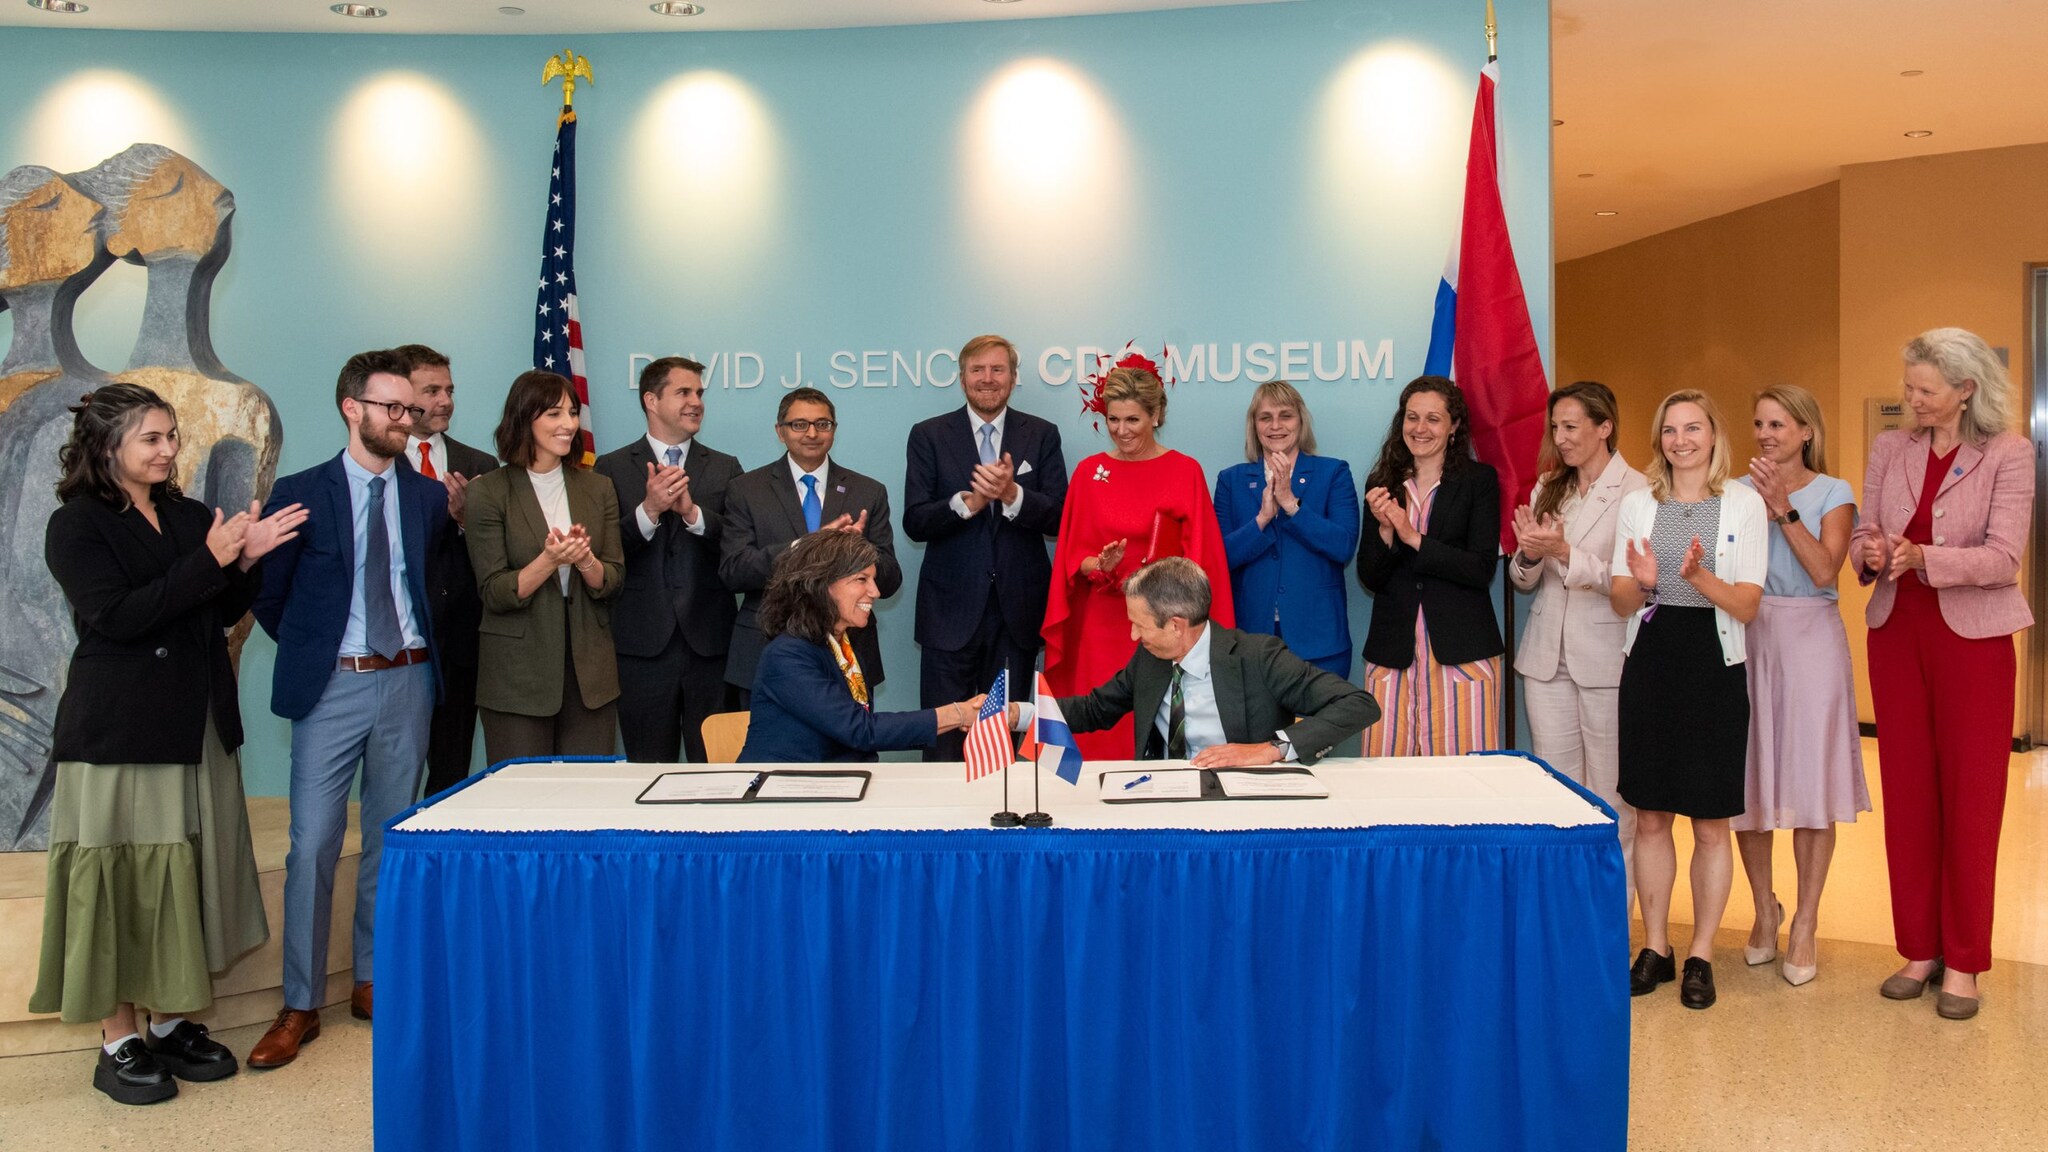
point(1427, 555)
point(152, 883)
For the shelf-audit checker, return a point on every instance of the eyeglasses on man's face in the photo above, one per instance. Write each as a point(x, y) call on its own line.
point(801, 427)
point(397, 410)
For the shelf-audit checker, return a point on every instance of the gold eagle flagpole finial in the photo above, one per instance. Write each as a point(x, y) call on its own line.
point(1492, 34)
point(568, 67)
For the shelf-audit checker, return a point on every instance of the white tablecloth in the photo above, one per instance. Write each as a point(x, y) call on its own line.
point(915, 796)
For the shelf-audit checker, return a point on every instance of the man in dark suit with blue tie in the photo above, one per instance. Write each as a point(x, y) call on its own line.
point(983, 489)
point(772, 507)
point(347, 603)
point(673, 623)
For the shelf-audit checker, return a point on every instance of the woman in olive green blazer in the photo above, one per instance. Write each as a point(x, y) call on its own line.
point(544, 540)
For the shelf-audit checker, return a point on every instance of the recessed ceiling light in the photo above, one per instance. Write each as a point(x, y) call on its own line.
point(670, 8)
point(67, 7)
point(1608, 212)
point(1919, 133)
point(508, 10)
point(999, 1)
point(1913, 72)
point(359, 11)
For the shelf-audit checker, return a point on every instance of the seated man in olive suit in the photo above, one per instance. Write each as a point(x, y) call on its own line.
point(1211, 695)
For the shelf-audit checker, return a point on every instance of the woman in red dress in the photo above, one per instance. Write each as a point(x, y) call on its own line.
point(1140, 501)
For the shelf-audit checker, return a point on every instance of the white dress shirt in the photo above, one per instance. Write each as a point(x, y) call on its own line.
point(975, 424)
point(640, 516)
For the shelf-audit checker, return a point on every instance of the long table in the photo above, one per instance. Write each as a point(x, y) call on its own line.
point(1434, 957)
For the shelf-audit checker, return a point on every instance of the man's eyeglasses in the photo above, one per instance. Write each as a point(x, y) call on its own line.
point(396, 410)
point(800, 427)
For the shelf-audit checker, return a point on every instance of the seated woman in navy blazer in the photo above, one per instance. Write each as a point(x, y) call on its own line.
point(811, 702)
point(1290, 524)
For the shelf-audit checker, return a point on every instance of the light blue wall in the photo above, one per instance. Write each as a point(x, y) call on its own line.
point(1273, 188)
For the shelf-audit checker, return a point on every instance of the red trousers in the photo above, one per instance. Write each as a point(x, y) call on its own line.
point(1944, 738)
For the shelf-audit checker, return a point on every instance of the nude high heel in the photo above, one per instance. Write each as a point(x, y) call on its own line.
point(1755, 957)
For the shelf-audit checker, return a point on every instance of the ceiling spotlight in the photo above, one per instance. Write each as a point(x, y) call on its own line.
point(999, 1)
point(1608, 212)
point(670, 8)
point(508, 10)
point(1919, 134)
point(67, 7)
point(1913, 72)
point(359, 11)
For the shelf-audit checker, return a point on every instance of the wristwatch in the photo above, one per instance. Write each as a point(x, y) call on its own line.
point(1791, 517)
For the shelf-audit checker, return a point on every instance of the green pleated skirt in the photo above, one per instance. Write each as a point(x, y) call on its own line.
point(152, 886)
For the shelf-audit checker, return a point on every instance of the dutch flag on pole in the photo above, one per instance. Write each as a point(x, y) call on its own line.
point(1050, 736)
point(1481, 336)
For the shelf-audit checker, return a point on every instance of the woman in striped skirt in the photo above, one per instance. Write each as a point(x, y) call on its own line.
point(1432, 652)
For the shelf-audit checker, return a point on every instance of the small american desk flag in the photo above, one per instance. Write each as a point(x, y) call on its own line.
point(988, 742)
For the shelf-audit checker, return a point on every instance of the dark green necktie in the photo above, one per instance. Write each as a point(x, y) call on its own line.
point(1176, 719)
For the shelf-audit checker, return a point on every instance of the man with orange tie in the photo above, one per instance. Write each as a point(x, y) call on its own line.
point(451, 583)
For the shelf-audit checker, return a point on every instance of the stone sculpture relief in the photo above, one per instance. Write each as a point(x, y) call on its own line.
point(149, 206)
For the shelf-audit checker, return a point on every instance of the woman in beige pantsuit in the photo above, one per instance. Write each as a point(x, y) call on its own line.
point(1570, 652)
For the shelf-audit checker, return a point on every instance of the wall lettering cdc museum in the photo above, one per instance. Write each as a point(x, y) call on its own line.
point(1212, 362)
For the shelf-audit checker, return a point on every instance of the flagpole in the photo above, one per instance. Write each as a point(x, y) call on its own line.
point(1492, 35)
point(1006, 818)
point(1510, 721)
point(1038, 817)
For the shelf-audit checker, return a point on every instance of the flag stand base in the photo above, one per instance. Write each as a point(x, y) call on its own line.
point(1038, 820)
point(1006, 819)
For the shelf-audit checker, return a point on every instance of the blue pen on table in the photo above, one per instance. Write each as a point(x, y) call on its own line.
point(1130, 784)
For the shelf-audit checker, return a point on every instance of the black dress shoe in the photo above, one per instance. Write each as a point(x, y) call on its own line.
point(1650, 970)
point(132, 1075)
point(1697, 989)
point(192, 1055)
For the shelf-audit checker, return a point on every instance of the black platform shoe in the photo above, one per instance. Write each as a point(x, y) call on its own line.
point(131, 1074)
point(1697, 989)
point(191, 1054)
point(1650, 970)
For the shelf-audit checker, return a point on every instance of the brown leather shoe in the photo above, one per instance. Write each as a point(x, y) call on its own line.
point(280, 1045)
point(359, 1001)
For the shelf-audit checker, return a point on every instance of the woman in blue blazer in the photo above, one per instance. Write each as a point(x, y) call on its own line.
point(1288, 542)
point(811, 702)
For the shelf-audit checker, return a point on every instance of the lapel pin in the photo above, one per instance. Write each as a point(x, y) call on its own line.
point(839, 488)
point(1959, 470)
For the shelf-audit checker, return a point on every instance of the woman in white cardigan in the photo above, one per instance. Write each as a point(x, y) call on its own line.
point(1570, 652)
point(1689, 572)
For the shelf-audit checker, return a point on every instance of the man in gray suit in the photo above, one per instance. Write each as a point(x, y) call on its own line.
point(774, 506)
point(673, 623)
point(1211, 695)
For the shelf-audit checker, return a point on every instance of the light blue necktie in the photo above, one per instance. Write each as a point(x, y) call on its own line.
point(988, 443)
point(675, 456)
point(814, 512)
point(380, 609)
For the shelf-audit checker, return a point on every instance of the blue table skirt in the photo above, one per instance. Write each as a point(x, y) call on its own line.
point(1397, 988)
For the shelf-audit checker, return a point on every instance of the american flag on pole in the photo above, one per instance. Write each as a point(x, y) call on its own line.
point(988, 742)
point(557, 332)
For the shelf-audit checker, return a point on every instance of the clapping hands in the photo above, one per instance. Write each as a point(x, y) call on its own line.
point(248, 536)
point(570, 547)
point(1540, 538)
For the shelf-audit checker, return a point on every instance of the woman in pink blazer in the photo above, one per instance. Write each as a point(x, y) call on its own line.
point(1945, 513)
point(1570, 653)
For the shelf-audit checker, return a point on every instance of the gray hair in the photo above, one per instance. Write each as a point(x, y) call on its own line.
point(1174, 586)
point(15, 187)
point(1962, 357)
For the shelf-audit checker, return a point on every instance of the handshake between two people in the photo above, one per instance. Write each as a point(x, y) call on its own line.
point(961, 716)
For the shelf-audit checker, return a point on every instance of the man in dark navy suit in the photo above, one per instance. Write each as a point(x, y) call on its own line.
point(984, 487)
point(770, 508)
point(673, 623)
point(348, 606)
